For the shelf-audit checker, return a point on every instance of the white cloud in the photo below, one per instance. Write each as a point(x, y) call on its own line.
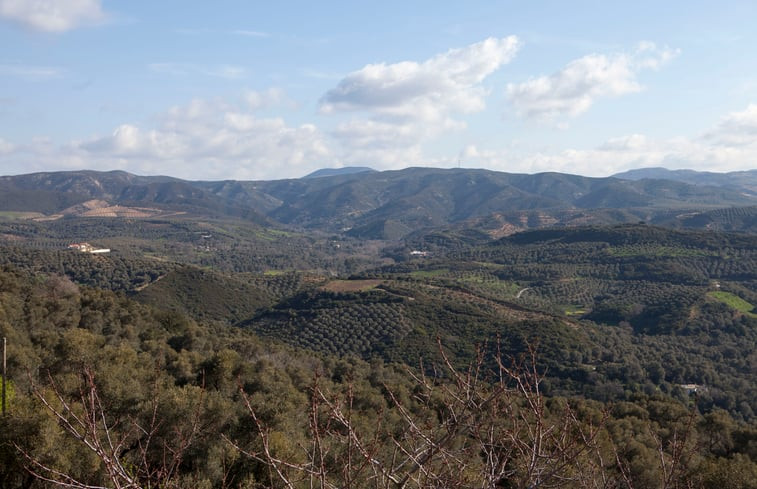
point(52, 15)
point(731, 145)
point(448, 82)
point(609, 158)
point(736, 129)
point(378, 144)
point(405, 104)
point(376, 134)
point(203, 139)
point(213, 139)
point(572, 90)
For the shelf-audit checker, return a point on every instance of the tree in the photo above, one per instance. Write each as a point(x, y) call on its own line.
point(132, 453)
point(460, 429)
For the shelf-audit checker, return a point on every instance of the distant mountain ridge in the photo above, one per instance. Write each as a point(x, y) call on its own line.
point(392, 204)
point(347, 170)
point(53, 192)
point(737, 180)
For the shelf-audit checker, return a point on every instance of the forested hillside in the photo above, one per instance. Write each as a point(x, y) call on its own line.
point(391, 204)
point(228, 352)
point(615, 311)
point(105, 391)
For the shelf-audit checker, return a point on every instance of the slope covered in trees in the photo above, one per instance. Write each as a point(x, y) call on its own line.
point(390, 204)
point(646, 341)
point(615, 310)
point(105, 391)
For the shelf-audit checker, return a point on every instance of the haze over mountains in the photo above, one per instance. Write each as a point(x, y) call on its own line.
point(391, 204)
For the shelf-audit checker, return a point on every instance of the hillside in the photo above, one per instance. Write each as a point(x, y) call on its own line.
point(98, 381)
point(640, 332)
point(380, 205)
point(610, 301)
point(423, 198)
point(742, 181)
point(57, 193)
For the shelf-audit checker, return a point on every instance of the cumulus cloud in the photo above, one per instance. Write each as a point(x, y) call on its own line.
point(383, 145)
point(378, 144)
point(52, 15)
point(608, 158)
point(402, 105)
point(210, 139)
point(729, 146)
point(572, 90)
point(736, 129)
point(447, 82)
point(216, 139)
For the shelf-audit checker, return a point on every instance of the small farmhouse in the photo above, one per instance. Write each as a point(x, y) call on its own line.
point(88, 248)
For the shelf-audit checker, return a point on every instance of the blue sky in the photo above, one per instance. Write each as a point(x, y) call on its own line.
point(264, 90)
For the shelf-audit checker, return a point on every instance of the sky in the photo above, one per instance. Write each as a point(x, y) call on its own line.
point(251, 90)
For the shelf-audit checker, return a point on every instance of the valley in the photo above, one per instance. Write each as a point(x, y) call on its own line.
point(642, 319)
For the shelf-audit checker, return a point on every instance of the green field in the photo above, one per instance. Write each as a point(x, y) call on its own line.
point(734, 301)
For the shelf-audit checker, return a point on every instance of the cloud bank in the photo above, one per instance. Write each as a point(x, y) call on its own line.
point(209, 139)
point(215, 140)
point(730, 145)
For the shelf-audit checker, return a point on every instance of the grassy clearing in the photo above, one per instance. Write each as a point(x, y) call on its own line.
point(733, 301)
point(574, 310)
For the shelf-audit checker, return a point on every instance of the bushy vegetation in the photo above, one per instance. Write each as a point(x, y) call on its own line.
point(202, 344)
point(107, 391)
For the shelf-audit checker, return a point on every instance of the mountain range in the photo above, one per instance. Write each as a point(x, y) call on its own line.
point(391, 204)
point(737, 180)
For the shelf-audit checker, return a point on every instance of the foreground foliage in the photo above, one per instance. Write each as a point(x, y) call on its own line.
point(107, 392)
